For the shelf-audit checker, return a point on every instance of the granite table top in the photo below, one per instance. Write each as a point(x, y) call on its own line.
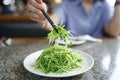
point(106, 56)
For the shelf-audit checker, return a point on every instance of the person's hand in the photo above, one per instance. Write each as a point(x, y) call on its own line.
point(34, 8)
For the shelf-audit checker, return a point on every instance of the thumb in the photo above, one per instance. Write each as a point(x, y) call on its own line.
point(39, 1)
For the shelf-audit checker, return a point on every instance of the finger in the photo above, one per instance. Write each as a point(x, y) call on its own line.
point(39, 1)
point(34, 19)
point(36, 4)
point(38, 19)
point(32, 9)
point(36, 16)
point(43, 5)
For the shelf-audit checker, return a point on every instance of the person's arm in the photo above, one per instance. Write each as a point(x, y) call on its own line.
point(113, 27)
point(33, 11)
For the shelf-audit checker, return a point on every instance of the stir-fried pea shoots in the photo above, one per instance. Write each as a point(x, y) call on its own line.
point(58, 58)
point(62, 33)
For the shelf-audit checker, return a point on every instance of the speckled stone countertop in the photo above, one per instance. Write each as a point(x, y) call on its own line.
point(106, 56)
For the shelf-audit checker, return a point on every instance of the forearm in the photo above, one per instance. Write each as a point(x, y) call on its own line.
point(113, 27)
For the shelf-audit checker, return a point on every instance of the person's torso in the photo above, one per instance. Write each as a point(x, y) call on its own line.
point(80, 22)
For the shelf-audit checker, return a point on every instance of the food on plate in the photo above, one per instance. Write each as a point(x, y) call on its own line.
point(57, 58)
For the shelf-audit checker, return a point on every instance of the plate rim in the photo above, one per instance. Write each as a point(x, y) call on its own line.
point(57, 76)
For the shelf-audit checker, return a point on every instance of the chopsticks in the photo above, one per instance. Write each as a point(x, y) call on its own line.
point(49, 20)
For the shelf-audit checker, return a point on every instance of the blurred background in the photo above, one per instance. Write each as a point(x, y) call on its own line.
point(15, 23)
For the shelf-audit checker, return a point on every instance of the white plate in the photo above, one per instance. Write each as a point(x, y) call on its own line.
point(29, 62)
point(74, 42)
